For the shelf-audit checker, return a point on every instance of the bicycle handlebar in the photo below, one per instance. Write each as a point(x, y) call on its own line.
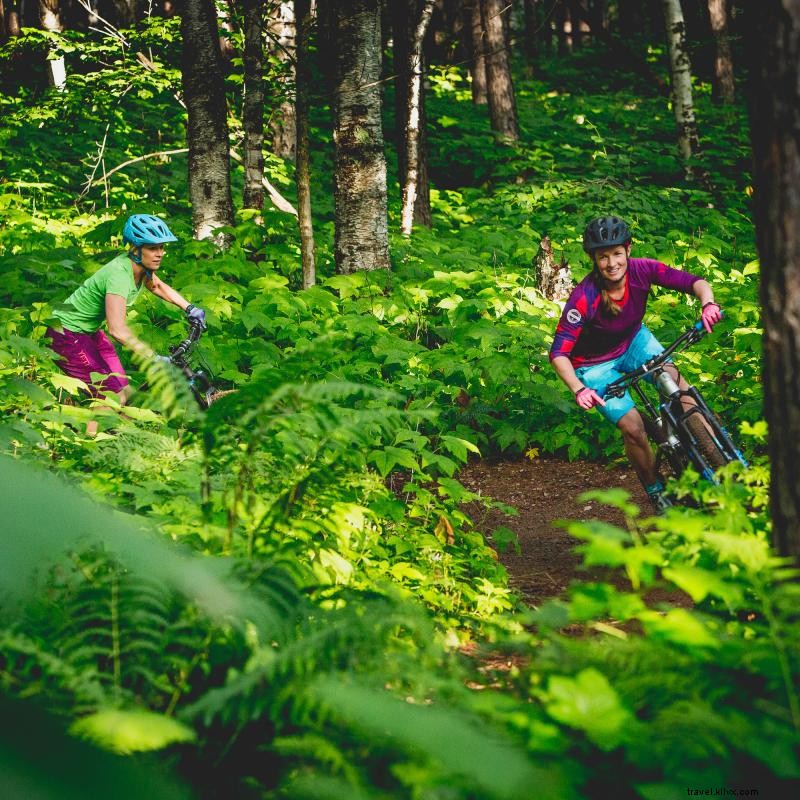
point(618, 387)
point(195, 332)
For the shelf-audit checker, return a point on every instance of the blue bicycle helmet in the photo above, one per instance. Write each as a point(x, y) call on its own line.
point(145, 229)
point(605, 232)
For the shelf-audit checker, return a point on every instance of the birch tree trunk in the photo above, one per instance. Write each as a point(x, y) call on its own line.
point(410, 22)
point(680, 70)
point(477, 66)
point(50, 19)
point(724, 89)
point(500, 89)
point(772, 47)
point(361, 240)
point(207, 129)
point(253, 109)
point(302, 10)
point(282, 47)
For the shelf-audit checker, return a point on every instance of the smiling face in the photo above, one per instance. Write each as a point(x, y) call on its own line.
point(151, 256)
point(612, 263)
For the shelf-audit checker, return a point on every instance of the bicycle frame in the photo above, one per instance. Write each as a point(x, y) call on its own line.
point(682, 426)
point(200, 383)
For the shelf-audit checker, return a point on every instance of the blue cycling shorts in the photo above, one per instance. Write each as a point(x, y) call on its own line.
point(643, 347)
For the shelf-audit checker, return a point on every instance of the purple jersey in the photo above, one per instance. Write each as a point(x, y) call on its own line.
point(588, 334)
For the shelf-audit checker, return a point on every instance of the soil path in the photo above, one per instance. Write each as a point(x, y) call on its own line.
point(544, 490)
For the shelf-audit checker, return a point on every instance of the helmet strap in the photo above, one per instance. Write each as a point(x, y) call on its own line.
point(135, 255)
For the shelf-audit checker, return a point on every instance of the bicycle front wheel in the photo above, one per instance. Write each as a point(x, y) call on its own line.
point(706, 443)
point(675, 455)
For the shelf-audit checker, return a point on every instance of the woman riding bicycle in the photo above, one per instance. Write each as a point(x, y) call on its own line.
point(84, 349)
point(600, 335)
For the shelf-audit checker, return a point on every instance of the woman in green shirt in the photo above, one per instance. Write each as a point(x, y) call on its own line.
point(84, 349)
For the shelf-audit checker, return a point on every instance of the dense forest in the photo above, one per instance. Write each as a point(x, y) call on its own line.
point(379, 205)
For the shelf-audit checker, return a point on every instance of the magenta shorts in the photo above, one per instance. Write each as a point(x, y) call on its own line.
point(85, 353)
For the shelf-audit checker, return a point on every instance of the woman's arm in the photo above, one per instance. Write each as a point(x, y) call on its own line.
point(710, 313)
point(585, 396)
point(116, 311)
point(703, 291)
point(164, 291)
point(565, 371)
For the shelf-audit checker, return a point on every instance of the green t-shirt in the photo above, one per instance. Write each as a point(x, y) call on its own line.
point(85, 309)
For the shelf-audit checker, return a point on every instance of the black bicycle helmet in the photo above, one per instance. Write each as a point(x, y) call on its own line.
point(605, 232)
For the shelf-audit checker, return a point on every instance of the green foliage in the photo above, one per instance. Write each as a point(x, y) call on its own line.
point(285, 593)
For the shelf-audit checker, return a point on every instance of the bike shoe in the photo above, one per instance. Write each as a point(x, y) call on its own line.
point(660, 502)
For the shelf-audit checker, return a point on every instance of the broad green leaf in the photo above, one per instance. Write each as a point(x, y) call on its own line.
point(678, 626)
point(132, 730)
point(699, 583)
point(402, 570)
point(66, 382)
point(590, 704)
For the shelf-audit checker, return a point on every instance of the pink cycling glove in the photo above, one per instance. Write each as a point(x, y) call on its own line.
point(587, 398)
point(710, 315)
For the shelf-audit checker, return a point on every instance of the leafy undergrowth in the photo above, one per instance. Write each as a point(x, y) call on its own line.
point(283, 560)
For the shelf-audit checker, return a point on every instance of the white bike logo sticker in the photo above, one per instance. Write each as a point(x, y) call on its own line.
point(574, 316)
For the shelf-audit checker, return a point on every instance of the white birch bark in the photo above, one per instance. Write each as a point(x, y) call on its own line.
point(207, 127)
point(50, 19)
point(282, 29)
point(413, 123)
point(361, 240)
point(303, 14)
point(680, 70)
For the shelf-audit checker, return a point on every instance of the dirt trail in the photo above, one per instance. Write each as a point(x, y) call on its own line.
point(544, 490)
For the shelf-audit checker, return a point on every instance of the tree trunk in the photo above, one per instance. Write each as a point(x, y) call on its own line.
point(207, 129)
point(410, 21)
point(563, 29)
point(302, 10)
point(772, 47)
point(723, 62)
point(282, 47)
point(477, 66)
point(500, 89)
point(253, 110)
point(361, 240)
point(13, 21)
point(681, 72)
point(50, 19)
point(616, 46)
point(553, 279)
point(630, 21)
point(125, 13)
point(532, 24)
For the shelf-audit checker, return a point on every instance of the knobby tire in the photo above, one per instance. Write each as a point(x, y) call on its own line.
point(708, 448)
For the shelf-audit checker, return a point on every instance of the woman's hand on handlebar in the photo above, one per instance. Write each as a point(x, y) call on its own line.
point(587, 398)
point(710, 315)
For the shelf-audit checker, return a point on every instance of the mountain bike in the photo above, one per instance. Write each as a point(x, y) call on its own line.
point(681, 426)
point(201, 381)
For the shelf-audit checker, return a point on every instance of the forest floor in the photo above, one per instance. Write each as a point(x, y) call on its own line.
point(545, 490)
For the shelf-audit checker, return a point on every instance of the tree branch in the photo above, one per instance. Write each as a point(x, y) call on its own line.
point(278, 200)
